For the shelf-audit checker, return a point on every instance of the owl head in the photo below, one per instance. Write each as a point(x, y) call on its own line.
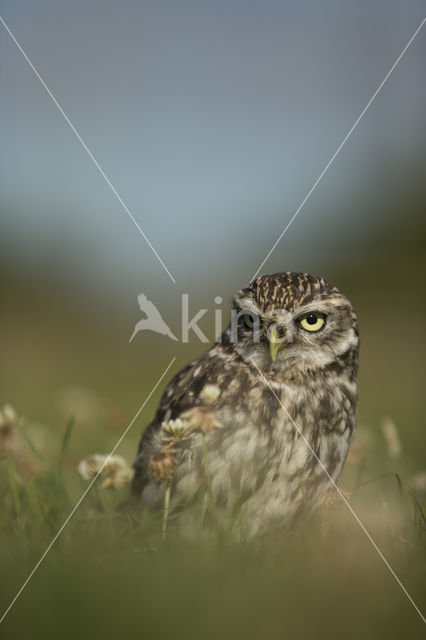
point(290, 320)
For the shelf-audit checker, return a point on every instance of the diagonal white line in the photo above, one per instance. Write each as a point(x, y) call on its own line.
point(52, 542)
point(89, 153)
point(342, 496)
point(333, 157)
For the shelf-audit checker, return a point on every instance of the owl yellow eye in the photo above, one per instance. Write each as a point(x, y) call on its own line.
point(312, 321)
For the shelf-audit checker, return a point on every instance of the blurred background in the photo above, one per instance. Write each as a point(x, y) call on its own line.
point(212, 120)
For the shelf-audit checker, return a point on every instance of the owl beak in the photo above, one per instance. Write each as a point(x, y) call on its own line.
point(275, 343)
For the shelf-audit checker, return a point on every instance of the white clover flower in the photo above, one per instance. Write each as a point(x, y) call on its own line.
point(90, 466)
point(176, 433)
point(173, 426)
point(209, 393)
point(115, 469)
point(202, 420)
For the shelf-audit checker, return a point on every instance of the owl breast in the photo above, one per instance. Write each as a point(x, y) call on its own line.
point(266, 462)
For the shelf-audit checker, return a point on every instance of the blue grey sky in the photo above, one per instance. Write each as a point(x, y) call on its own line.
point(212, 120)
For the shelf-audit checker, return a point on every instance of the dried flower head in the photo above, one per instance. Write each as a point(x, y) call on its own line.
point(114, 469)
point(209, 393)
point(201, 419)
point(119, 479)
point(162, 465)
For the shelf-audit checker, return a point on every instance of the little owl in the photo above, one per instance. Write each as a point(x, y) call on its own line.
point(287, 364)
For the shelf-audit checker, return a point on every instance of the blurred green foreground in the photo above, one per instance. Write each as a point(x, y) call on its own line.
point(110, 574)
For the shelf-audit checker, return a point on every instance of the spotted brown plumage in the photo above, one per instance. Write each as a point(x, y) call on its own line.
point(258, 463)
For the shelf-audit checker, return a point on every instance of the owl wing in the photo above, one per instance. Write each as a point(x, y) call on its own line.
point(181, 394)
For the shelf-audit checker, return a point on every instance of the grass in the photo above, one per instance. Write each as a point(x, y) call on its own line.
point(111, 572)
